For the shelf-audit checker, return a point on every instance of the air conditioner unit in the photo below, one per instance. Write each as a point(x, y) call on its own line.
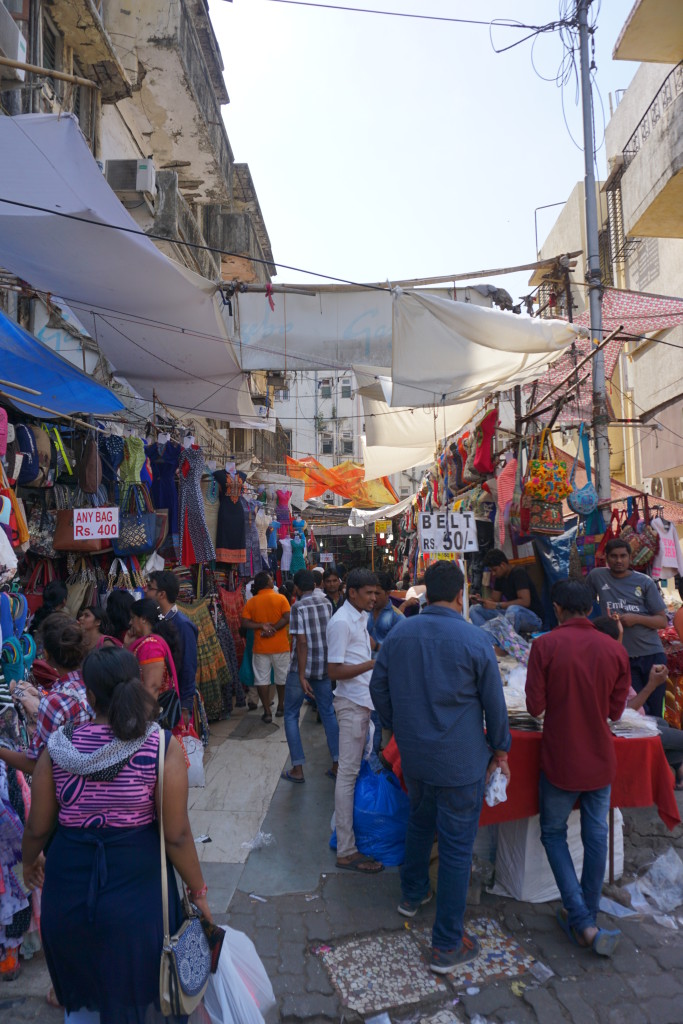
point(12, 45)
point(131, 175)
point(654, 485)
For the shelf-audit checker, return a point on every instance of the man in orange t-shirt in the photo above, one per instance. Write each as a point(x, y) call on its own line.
point(268, 614)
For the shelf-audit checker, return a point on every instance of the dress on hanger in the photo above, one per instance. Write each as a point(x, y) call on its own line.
point(165, 459)
point(196, 542)
point(133, 461)
point(286, 560)
point(262, 523)
point(668, 561)
point(271, 533)
point(231, 533)
point(283, 514)
point(252, 561)
point(298, 548)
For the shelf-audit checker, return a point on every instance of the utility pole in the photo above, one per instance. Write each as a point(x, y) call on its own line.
point(593, 273)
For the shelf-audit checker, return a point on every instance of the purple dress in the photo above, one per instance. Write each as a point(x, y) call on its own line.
point(165, 492)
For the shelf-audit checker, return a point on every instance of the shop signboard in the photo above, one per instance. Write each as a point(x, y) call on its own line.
point(447, 531)
point(93, 523)
point(383, 526)
point(326, 557)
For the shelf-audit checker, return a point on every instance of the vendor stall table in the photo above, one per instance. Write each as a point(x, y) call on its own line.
point(643, 779)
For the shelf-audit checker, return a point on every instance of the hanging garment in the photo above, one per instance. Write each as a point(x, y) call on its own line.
point(213, 675)
point(196, 543)
point(133, 461)
point(271, 533)
point(286, 560)
point(252, 553)
point(262, 523)
point(232, 693)
point(164, 460)
point(283, 514)
point(298, 548)
point(231, 532)
point(211, 494)
point(668, 561)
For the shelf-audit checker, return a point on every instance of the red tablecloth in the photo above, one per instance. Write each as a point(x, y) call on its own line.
point(643, 778)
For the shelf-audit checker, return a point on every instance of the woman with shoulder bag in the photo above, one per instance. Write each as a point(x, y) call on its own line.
point(102, 921)
point(155, 643)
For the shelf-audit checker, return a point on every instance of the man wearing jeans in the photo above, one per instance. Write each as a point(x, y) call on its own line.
point(514, 596)
point(307, 676)
point(579, 677)
point(349, 662)
point(435, 680)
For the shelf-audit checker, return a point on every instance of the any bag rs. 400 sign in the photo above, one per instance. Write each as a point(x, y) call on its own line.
point(447, 531)
point(92, 523)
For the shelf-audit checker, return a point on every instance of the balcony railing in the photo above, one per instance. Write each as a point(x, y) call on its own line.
point(671, 87)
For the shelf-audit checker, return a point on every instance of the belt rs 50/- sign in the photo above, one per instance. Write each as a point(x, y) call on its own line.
point(447, 532)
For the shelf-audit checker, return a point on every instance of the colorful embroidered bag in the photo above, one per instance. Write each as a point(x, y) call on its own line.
point(547, 476)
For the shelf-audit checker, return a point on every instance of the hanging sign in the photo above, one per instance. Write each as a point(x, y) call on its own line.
point(93, 523)
point(447, 531)
point(383, 526)
point(326, 557)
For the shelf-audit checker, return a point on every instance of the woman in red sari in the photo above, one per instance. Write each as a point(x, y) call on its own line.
point(154, 642)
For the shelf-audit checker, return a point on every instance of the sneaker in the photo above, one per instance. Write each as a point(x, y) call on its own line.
point(410, 909)
point(443, 961)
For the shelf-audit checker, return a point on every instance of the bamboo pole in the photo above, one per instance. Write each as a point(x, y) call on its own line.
point(48, 73)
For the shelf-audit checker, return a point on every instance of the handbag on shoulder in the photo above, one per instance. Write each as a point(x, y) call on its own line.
point(185, 956)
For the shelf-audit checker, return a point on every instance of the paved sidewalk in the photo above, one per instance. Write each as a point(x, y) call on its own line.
point(332, 941)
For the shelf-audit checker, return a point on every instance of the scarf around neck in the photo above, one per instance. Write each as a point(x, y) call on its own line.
point(101, 765)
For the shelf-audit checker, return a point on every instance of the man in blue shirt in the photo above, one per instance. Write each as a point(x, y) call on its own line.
point(435, 679)
point(383, 616)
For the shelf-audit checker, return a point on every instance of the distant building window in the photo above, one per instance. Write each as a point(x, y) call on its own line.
point(346, 388)
point(405, 492)
point(282, 394)
point(646, 263)
point(50, 47)
point(327, 444)
point(347, 444)
point(288, 442)
point(326, 389)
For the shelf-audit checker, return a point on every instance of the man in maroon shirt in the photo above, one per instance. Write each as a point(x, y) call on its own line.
point(579, 677)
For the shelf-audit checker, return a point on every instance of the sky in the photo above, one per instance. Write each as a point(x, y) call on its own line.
point(385, 148)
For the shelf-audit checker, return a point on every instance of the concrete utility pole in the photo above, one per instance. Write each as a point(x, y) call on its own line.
point(593, 274)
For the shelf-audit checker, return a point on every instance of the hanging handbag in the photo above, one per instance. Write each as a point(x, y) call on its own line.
point(613, 530)
point(546, 517)
point(42, 574)
point(185, 956)
point(138, 527)
point(41, 531)
point(583, 500)
point(119, 577)
point(547, 476)
point(519, 508)
point(642, 540)
point(90, 470)
point(81, 587)
point(63, 539)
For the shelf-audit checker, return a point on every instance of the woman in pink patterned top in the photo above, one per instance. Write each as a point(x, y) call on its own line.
point(102, 924)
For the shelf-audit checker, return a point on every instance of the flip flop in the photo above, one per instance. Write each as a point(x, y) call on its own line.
point(267, 719)
point(291, 778)
point(372, 866)
point(280, 713)
point(605, 942)
point(563, 921)
point(330, 774)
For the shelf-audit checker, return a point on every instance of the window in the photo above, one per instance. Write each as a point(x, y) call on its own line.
point(82, 104)
point(347, 444)
point(238, 438)
point(326, 388)
point(346, 388)
point(646, 263)
point(50, 46)
point(327, 444)
point(288, 442)
point(282, 394)
point(405, 492)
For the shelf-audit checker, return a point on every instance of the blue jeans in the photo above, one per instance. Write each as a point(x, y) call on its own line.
point(521, 619)
point(640, 672)
point(294, 698)
point(453, 813)
point(580, 901)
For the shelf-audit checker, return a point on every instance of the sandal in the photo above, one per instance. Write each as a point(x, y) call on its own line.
point(267, 718)
point(251, 706)
point(331, 774)
point(280, 713)
point(364, 865)
point(571, 933)
point(292, 778)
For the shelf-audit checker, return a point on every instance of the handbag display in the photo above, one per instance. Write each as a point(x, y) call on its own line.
point(546, 517)
point(519, 508)
point(642, 540)
point(613, 530)
point(90, 470)
point(583, 500)
point(63, 539)
point(41, 531)
point(42, 574)
point(138, 527)
point(547, 477)
point(185, 956)
point(81, 588)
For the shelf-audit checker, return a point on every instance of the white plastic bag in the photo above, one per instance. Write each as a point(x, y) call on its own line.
point(195, 755)
point(240, 991)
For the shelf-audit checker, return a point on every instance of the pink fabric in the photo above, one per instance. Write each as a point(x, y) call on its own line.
point(506, 486)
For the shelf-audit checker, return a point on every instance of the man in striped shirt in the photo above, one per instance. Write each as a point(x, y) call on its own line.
point(307, 676)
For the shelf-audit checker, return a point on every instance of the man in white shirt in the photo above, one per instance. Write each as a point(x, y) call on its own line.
point(349, 662)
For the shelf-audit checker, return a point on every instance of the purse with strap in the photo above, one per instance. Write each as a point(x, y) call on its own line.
point(138, 529)
point(185, 956)
point(643, 541)
point(583, 500)
point(547, 476)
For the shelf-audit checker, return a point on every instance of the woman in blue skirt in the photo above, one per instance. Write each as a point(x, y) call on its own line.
point(101, 907)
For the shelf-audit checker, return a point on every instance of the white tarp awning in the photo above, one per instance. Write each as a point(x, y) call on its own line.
point(413, 428)
point(360, 517)
point(384, 461)
point(447, 352)
point(159, 324)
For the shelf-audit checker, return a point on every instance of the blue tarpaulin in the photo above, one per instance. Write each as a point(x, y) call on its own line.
point(63, 388)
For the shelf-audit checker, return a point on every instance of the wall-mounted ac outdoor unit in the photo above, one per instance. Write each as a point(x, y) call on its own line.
point(654, 485)
point(12, 45)
point(131, 175)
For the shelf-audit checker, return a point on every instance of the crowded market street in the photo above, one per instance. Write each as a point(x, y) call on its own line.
point(294, 903)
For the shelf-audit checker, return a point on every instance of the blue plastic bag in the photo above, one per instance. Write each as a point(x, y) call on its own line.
point(380, 816)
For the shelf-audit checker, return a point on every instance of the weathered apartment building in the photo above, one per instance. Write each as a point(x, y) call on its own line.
point(154, 125)
point(640, 203)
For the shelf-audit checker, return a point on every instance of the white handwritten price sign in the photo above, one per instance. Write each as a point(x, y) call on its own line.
point(447, 531)
point(90, 523)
